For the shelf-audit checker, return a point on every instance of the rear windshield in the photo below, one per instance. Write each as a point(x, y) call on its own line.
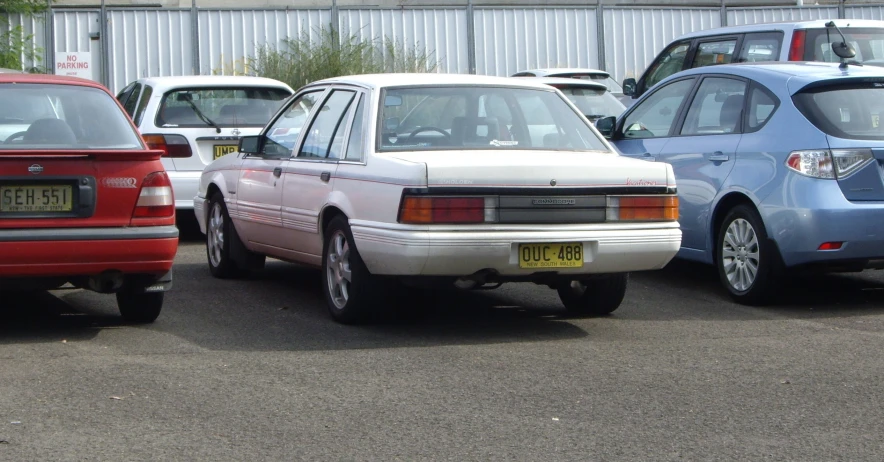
point(594, 104)
point(48, 116)
point(845, 111)
point(220, 107)
point(481, 117)
point(867, 41)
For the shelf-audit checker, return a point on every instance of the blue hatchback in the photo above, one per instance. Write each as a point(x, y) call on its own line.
point(779, 166)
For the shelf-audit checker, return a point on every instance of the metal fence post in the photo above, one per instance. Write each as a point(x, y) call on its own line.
point(723, 14)
point(104, 49)
point(49, 37)
point(471, 38)
point(195, 38)
point(600, 33)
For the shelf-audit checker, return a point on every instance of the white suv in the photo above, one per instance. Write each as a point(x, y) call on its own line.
point(197, 119)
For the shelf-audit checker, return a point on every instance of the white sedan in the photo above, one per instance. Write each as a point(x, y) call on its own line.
point(457, 179)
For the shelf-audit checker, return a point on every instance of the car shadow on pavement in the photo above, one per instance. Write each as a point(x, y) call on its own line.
point(800, 295)
point(40, 317)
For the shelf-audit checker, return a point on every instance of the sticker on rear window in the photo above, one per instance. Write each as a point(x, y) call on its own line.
point(504, 143)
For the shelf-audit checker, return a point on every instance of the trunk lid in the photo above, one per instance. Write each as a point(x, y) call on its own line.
point(72, 189)
point(539, 169)
point(866, 183)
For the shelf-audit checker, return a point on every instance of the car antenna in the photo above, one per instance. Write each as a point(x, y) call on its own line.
point(842, 49)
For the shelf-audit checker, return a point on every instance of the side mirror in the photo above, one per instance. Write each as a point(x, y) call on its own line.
point(606, 126)
point(629, 86)
point(251, 144)
point(391, 124)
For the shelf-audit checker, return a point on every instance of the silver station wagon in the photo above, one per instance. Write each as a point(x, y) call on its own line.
point(442, 179)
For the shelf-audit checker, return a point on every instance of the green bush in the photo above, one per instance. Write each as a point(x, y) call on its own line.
point(326, 53)
point(15, 45)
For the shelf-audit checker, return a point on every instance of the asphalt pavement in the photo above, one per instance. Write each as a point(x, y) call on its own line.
point(255, 369)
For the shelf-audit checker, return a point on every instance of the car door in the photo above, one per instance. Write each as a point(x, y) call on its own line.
point(703, 153)
point(645, 129)
point(309, 178)
point(260, 185)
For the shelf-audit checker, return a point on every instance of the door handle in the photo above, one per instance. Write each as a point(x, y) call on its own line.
point(718, 156)
point(325, 176)
point(277, 171)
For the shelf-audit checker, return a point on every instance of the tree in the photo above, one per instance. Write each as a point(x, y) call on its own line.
point(15, 45)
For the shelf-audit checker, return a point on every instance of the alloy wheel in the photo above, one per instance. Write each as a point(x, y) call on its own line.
point(740, 254)
point(338, 272)
point(215, 235)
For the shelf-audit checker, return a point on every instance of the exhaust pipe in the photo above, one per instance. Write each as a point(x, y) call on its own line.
point(106, 282)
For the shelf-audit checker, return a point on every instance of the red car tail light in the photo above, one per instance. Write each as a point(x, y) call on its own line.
point(171, 145)
point(796, 50)
point(155, 199)
point(436, 210)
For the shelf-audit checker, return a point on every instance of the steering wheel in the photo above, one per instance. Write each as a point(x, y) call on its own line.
point(430, 129)
point(12, 138)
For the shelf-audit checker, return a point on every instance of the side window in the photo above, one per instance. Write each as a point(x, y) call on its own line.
point(655, 116)
point(671, 60)
point(761, 105)
point(717, 107)
point(146, 93)
point(763, 46)
point(123, 96)
point(325, 136)
point(283, 134)
point(710, 53)
point(354, 145)
point(132, 101)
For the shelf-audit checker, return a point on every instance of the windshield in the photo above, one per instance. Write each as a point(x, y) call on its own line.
point(594, 104)
point(845, 111)
point(481, 117)
point(220, 107)
point(867, 41)
point(41, 116)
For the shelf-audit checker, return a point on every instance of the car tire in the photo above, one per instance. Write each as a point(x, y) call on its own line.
point(219, 240)
point(597, 296)
point(139, 307)
point(351, 291)
point(749, 265)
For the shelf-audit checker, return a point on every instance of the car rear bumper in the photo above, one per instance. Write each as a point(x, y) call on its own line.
point(391, 250)
point(185, 185)
point(820, 214)
point(199, 209)
point(75, 252)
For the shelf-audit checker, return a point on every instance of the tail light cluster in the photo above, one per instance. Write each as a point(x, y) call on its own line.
point(484, 209)
point(171, 145)
point(829, 164)
point(155, 200)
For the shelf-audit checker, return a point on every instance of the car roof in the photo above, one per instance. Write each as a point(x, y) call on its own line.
point(785, 26)
point(798, 73)
point(568, 81)
point(12, 77)
point(376, 81)
point(565, 70)
point(190, 81)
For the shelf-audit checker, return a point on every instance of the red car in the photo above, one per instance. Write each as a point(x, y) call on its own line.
point(82, 199)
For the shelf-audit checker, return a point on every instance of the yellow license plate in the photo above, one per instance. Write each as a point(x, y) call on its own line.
point(224, 149)
point(36, 198)
point(559, 255)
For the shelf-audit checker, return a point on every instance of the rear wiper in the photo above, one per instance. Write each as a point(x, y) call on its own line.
point(202, 116)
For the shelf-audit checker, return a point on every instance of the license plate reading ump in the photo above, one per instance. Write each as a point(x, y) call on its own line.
point(557, 255)
point(36, 198)
point(224, 149)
